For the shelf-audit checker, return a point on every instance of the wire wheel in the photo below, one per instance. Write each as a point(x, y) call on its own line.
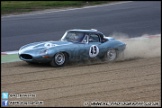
point(111, 55)
point(59, 59)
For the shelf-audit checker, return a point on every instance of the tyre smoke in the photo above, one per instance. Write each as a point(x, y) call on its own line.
point(144, 46)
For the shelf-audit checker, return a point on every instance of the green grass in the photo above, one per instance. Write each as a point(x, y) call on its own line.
point(10, 7)
point(9, 58)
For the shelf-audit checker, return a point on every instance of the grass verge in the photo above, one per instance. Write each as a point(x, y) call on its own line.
point(9, 58)
point(16, 7)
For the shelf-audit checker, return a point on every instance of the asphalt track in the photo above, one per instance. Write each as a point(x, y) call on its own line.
point(132, 19)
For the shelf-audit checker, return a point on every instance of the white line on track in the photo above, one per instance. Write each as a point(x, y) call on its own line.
point(9, 52)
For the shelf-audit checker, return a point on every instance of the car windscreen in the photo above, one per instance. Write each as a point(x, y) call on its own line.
point(73, 36)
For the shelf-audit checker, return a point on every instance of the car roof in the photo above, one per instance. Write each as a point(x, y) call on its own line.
point(86, 30)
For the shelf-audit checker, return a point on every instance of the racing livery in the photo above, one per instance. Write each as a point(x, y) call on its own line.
point(75, 45)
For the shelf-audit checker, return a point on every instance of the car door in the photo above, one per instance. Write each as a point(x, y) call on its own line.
point(89, 48)
point(93, 45)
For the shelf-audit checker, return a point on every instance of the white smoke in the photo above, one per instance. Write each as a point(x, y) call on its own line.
point(144, 46)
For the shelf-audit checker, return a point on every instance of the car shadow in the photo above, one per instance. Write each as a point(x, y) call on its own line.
point(76, 64)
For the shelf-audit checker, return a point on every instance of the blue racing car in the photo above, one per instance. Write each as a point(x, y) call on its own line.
point(75, 45)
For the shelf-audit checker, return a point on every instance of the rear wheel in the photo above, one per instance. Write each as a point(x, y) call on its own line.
point(59, 59)
point(111, 55)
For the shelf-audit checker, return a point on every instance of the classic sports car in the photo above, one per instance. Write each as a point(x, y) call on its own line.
point(75, 45)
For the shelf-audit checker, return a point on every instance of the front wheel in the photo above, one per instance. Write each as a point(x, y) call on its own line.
point(59, 59)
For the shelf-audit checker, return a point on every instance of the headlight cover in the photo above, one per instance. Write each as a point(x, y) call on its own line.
point(43, 52)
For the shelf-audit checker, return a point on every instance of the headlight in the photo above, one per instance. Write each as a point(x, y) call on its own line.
point(43, 52)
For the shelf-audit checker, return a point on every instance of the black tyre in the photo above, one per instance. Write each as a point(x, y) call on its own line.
point(111, 55)
point(59, 60)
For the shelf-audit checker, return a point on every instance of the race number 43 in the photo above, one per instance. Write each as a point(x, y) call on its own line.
point(93, 51)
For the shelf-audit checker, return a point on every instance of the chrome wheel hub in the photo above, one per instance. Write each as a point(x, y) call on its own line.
point(59, 58)
point(111, 55)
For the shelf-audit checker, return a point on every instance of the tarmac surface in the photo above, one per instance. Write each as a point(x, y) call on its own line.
point(132, 19)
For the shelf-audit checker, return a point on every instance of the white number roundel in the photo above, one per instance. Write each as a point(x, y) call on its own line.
point(93, 51)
